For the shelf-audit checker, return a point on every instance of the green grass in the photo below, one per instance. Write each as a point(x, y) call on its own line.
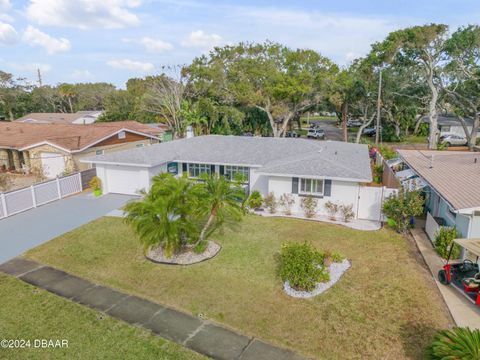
point(29, 313)
point(386, 305)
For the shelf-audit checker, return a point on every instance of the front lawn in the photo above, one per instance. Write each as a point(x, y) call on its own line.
point(29, 313)
point(385, 306)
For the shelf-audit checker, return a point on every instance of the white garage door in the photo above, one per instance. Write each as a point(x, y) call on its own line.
point(126, 180)
point(53, 164)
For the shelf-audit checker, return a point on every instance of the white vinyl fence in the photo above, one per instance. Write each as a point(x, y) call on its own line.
point(370, 202)
point(16, 201)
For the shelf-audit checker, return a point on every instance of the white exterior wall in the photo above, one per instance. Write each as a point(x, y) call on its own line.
point(343, 193)
point(259, 182)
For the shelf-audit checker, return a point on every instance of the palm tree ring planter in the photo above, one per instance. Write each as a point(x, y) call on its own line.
point(336, 271)
point(188, 257)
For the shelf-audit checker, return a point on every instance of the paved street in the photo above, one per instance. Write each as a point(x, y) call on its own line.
point(23, 231)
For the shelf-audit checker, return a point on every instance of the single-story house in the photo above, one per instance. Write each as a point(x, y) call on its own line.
point(327, 170)
point(451, 124)
point(451, 180)
point(79, 118)
point(57, 148)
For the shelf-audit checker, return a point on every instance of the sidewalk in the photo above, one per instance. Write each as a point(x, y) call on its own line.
point(463, 312)
point(202, 336)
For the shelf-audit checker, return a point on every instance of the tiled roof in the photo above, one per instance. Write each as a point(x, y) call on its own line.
point(18, 135)
point(282, 156)
point(454, 175)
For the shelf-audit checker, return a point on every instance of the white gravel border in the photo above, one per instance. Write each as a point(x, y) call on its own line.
point(336, 271)
point(185, 258)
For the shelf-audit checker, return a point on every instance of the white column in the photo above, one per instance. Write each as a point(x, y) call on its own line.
point(58, 188)
point(4, 204)
point(34, 198)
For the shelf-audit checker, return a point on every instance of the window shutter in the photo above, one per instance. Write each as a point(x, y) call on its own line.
point(294, 185)
point(184, 167)
point(222, 170)
point(212, 169)
point(327, 191)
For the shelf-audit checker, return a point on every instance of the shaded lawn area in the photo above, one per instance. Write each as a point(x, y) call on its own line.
point(386, 305)
point(31, 313)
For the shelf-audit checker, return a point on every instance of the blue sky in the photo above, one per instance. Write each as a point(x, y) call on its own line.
point(113, 40)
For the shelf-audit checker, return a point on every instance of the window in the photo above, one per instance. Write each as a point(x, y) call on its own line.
point(232, 171)
point(194, 170)
point(99, 152)
point(122, 135)
point(311, 186)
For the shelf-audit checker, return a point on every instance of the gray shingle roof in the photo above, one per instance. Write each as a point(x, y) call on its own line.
point(282, 156)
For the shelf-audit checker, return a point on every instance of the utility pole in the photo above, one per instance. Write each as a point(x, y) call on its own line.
point(39, 78)
point(379, 108)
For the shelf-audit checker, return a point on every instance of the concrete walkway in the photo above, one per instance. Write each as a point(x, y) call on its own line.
point(21, 232)
point(464, 313)
point(199, 335)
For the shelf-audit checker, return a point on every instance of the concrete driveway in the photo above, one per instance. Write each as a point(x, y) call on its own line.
point(31, 228)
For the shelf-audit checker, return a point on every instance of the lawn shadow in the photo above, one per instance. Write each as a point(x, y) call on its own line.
point(415, 339)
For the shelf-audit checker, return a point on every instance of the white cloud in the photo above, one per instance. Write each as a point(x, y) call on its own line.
point(5, 5)
point(81, 75)
point(31, 67)
point(127, 64)
point(155, 45)
point(200, 39)
point(35, 37)
point(8, 34)
point(84, 14)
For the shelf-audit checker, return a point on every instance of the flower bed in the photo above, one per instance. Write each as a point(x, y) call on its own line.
point(184, 258)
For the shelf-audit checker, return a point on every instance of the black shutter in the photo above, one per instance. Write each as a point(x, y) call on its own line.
point(222, 170)
point(327, 191)
point(294, 185)
point(212, 169)
point(184, 167)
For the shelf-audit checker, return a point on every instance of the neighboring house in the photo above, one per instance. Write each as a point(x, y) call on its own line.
point(451, 180)
point(451, 124)
point(58, 148)
point(327, 170)
point(79, 118)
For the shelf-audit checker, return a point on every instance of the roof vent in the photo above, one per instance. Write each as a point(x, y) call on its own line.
point(475, 160)
point(431, 161)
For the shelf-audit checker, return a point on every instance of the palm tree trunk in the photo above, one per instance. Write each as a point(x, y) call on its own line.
point(209, 222)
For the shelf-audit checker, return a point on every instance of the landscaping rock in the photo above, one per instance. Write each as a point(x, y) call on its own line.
point(336, 271)
point(185, 258)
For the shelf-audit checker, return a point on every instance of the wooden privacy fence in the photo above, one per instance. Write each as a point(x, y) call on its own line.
point(16, 201)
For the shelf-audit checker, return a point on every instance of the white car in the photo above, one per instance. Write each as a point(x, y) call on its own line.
point(316, 134)
point(453, 140)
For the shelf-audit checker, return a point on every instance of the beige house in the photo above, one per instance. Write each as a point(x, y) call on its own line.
point(56, 149)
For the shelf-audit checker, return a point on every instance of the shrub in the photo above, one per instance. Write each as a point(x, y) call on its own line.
point(402, 207)
point(309, 206)
point(378, 172)
point(95, 183)
point(287, 201)
point(444, 240)
point(387, 152)
point(255, 200)
point(331, 257)
point(347, 212)
point(271, 203)
point(458, 343)
point(332, 209)
point(302, 266)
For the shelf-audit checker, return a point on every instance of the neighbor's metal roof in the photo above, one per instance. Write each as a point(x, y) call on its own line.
point(455, 175)
point(472, 245)
point(281, 156)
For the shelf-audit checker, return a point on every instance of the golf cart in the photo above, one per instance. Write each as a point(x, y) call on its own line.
point(464, 275)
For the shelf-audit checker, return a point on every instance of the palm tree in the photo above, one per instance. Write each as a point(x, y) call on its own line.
point(458, 343)
point(163, 217)
point(220, 201)
point(68, 91)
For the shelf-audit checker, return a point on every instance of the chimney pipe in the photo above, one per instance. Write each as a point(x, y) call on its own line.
point(431, 161)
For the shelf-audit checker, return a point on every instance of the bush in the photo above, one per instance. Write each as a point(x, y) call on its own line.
point(5, 182)
point(302, 266)
point(458, 343)
point(402, 207)
point(347, 212)
point(387, 152)
point(378, 172)
point(444, 240)
point(332, 209)
point(255, 200)
point(95, 183)
point(271, 203)
point(287, 201)
point(309, 206)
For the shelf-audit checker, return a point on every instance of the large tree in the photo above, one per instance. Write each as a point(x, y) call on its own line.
point(281, 82)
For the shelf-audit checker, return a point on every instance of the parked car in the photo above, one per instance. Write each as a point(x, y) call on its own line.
point(292, 134)
point(453, 140)
point(354, 123)
point(371, 131)
point(316, 134)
